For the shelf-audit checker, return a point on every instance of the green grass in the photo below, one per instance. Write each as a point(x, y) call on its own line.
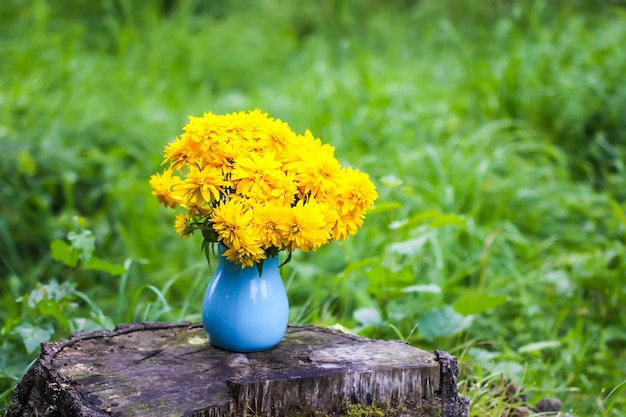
point(493, 130)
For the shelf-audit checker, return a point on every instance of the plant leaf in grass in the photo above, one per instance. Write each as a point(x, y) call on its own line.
point(398, 224)
point(391, 181)
point(384, 207)
point(444, 220)
point(511, 370)
point(85, 242)
point(442, 322)
point(435, 219)
point(60, 251)
point(537, 346)
point(34, 336)
point(368, 316)
point(431, 288)
point(473, 303)
point(98, 264)
point(360, 264)
point(409, 247)
point(340, 328)
point(482, 356)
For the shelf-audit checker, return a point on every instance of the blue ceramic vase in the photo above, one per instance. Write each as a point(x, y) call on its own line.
point(244, 311)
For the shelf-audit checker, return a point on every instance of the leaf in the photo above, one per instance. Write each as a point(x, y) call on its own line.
point(442, 322)
point(435, 218)
point(614, 333)
point(447, 220)
point(422, 216)
point(34, 336)
point(384, 207)
point(60, 251)
point(98, 264)
point(619, 211)
point(537, 346)
point(368, 316)
point(85, 242)
point(391, 181)
point(377, 277)
point(478, 303)
point(340, 328)
point(415, 220)
point(560, 280)
point(512, 370)
point(51, 308)
point(431, 288)
point(482, 356)
point(83, 324)
point(360, 264)
point(397, 224)
point(409, 247)
point(54, 291)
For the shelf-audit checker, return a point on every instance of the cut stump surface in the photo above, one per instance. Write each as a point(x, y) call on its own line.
point(164, 369)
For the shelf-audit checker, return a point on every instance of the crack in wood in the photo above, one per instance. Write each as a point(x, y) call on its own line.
point(204, 349)
point(148, 356)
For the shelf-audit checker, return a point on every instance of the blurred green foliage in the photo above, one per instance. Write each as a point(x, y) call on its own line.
point(493, 129)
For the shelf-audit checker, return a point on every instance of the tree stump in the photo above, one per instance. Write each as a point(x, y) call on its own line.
point(164, 369)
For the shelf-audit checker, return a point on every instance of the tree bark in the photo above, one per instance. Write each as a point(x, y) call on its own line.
point(164, 369)
point(453, 405)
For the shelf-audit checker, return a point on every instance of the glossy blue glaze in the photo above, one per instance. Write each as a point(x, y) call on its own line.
point(245, 312)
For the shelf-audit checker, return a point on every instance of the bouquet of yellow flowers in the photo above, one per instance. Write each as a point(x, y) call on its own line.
point(247, 181)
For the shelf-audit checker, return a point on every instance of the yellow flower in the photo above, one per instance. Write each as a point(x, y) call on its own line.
point(231, 220)
point(182, 225)
point(315, 165)
point(256, 174)
point(304, 227)
point(166, 188)
point(202, 132)
point(180, 152)
point(248, 254)
point(204, 185)
point(225, 152)
point(285, 190)
point(266, 220)
point(277, 136)
point(193, 207)
point(347, 224)
point(357, 191)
